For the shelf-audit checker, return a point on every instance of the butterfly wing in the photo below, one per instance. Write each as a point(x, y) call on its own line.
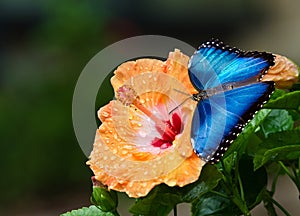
point(214, 64)
point(222, 115)
point(215, 126)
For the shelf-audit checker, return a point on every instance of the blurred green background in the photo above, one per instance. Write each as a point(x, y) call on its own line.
point(43, 48)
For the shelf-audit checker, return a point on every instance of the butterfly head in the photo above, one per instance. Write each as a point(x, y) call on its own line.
point(202, 94)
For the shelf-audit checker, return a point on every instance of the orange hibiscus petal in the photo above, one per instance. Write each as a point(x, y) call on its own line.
point(123, 157)
point(284, 73)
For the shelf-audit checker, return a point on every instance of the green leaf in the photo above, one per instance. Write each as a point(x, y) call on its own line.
point(229, 163)
point(160, 201)
point(253, 145)
point(286, 101)
point(209, 179)
point(104, 199)
point(276, 94)
point(277, 120)
point(88, 211)
point(279, 146)
point(277, 154)
point(283, 138)
point(295, 115)
point(253, 182)
point(217, 202)
point(240, 143)
point(211, 204)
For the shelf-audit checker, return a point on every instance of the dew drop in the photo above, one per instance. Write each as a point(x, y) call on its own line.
point(105, 114)
point(142, 100)
point(124, 152)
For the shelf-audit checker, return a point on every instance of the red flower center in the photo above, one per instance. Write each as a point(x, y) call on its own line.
point(168, 135)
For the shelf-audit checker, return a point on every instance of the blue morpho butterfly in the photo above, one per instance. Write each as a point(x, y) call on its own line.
point(230, 92)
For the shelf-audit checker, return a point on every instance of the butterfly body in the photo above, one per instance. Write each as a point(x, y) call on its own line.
point(230, 91)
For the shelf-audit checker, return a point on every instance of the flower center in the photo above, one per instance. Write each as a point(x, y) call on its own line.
point(167, 129)
point(168, 136)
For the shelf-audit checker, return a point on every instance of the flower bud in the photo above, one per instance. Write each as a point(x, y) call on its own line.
point(106, 200)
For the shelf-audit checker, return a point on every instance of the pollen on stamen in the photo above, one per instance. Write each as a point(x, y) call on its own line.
point(126, 95)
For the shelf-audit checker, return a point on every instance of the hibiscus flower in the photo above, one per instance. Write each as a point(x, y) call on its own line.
point(284, 73)
point(144, 138)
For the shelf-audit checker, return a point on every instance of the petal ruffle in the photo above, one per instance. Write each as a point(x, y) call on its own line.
point(284, 73)
point(175, 65)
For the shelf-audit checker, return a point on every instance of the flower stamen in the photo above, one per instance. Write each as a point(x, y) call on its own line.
point(128, 96)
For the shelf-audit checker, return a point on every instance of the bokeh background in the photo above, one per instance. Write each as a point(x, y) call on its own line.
point(44, 45)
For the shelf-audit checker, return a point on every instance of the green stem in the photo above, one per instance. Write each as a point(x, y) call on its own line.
point(241, 187)
point(286, 170)
point(294, 169)
point(237, 197)
point(115, 212)
point(220, 194)
point(298, 176)
point(275, 182)
point(227, 189)
point(175, 210)
point(295, 179)
point(240, 194)
point(280, 207)
point(240, 202)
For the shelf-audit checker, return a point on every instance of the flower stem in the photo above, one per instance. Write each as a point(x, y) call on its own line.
point(237, 199)
point(175, 210)
point(220, 194)
point(274, 183)
point(280, 207)
point(286, 170)
point(237, 195)
point(116, 213)
point(293, 178)
point(241, 187)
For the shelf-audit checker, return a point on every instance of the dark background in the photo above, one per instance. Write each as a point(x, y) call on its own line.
point(44, 45)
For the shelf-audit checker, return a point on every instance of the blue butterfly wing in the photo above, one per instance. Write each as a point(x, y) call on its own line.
point(214, 64)
point(215, 126)
point(221, 115)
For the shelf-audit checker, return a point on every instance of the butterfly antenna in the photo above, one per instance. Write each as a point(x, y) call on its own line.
point(190, 97)
point(181, 92)
point(187, 94)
